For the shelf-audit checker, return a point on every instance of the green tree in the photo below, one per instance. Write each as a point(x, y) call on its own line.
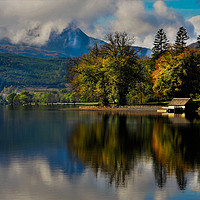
point(124, 69)
point(68, 97)
point(73, 98)
point(161, 43)
point(90, 77)
point(25, 98)
point(63, 99)
point(16, 100)
point(198, 41)
point(83, 98)
point(181, 38)
point(50, 98)
point(10, 98)
point(36, 98)
point(109, 71)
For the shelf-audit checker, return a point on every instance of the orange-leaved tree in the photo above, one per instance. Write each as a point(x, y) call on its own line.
point(177, 74)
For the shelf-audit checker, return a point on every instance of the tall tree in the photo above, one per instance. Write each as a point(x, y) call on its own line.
point(123, 64)
point(198, 41)
point(89, 77)
point(181, 38)
point(161, 43)
point(109, 71)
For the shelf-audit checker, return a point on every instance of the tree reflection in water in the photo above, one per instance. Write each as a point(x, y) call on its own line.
point(114, 144)
point(176, 150)
point(108, 146)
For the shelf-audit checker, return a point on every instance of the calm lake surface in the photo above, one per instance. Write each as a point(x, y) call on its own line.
point(48, 154)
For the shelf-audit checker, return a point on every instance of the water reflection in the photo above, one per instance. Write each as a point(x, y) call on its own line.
point(29, 134)
point(177, 150)
point(33, 179)
point(76, 155)
point(114, 144)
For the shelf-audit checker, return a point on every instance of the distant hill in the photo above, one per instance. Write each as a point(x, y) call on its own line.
point(22, 49)
point(22, 71)
point(71, 42)
point(193, 45)
point(27, 66)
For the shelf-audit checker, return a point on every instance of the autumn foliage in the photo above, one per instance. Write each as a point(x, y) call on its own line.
point(177, 74)
point(108, 72)
point(113, 72)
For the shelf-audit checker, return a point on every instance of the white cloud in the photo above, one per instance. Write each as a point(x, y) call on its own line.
point(134, 19)
point(160, 8)
point(34, 179)
point(196, 22)
point(21, 20)
point(18, 16)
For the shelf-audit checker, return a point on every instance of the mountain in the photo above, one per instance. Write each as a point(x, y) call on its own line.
point(24, 66)
point(71, 42)
point(143, 51)
point(194, 45)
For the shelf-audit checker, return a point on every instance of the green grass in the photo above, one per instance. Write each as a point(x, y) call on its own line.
point(87, 104)
point(158, 103)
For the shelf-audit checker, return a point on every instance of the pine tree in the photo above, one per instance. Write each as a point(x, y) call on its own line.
point(198, 41)
point(160, 43)
point(181, 38)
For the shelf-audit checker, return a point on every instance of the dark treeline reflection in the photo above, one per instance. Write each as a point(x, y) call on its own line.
point(110, 145)
point(176, 150)
point(114, 144)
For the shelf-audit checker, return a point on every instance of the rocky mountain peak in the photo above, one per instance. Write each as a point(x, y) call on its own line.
point(72, 41)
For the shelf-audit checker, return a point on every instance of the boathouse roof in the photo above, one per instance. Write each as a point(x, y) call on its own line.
point(179, 101)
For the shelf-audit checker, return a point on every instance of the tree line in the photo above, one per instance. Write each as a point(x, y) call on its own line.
point(27, 98)
point(114, 72)
point(109, 145)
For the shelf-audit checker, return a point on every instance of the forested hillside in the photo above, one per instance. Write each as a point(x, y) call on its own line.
point(25, 71)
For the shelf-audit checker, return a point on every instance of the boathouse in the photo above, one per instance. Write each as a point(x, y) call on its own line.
point(180, 105)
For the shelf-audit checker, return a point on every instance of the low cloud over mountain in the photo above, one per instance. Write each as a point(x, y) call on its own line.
point(32, 21)
point(72, 41)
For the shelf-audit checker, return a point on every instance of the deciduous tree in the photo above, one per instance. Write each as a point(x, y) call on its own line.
point(11, 97)
point(177, 75)
point(108, 71)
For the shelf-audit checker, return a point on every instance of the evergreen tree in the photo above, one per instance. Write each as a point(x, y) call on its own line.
point(181, 38)
point(160, 43)
point(198, 41)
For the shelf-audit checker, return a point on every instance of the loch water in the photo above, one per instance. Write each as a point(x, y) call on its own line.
point(50, 153)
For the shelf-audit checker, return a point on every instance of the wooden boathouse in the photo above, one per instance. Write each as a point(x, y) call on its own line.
point(180, 105)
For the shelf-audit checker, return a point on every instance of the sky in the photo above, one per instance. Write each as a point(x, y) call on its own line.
point(31, 21)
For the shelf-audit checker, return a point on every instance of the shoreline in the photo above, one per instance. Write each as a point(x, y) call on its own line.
point(149, 109)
